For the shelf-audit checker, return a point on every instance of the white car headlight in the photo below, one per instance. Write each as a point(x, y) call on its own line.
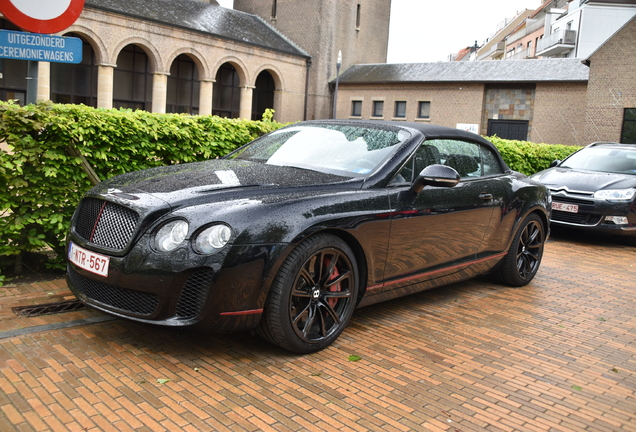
point(212, 238)
point(171, 235)
point(615, 194)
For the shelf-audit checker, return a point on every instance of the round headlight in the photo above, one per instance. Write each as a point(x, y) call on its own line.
point(171, 235)
point(212, 238)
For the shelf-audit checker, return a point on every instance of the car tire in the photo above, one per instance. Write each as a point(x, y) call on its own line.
point(521, 263)
point(313, 295)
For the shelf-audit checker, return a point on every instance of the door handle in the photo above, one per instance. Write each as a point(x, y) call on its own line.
point(485, 196)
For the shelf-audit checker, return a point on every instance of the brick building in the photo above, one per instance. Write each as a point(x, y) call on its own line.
point(611, 93)
point(541, 101)
point(559, 101)
point(358, 28)
point(197, 57)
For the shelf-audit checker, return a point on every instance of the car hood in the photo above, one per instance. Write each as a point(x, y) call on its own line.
point(187, 184)
point(582, 180)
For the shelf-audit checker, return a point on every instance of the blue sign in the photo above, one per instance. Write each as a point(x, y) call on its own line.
point(40, 47)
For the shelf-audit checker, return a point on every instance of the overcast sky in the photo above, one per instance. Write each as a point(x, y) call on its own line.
point(430, 30)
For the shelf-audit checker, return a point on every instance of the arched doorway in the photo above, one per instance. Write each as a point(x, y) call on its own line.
point(263, 97)
point(13, 83)
point(226, 99)
point(76, 83)
point(183, 86)
point(132, 80)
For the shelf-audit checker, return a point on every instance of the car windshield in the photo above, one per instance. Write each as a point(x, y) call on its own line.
point(338, 149)
point(605, 159)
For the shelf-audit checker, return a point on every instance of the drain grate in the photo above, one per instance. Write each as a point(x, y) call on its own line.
point(48, 308)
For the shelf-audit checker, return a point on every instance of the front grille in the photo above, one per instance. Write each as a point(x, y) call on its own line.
point(575, 218)
point(194, 293)
point(106, 224)
point(126, 300)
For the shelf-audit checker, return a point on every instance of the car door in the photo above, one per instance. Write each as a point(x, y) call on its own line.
point(440, 230)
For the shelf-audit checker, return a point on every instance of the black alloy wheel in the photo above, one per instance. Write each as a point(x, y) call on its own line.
point(529, 250)
point(313, 296)
point(524, 256)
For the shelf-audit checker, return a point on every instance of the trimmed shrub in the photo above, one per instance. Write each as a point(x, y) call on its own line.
point(529, 158)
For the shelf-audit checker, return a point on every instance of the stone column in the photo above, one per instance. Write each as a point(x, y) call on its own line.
point(105, 74)
point(44, 81)
point(159, 91)
point(247, 93)
point(278, 104)
point(205, 96)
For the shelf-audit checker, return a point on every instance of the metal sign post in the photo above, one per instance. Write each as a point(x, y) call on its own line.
point(32, 82)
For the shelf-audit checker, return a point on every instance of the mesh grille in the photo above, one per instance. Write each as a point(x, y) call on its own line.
point(119, 298)
point(106, 224)
point(194, 293)
point(575, 218)
point(88, 214)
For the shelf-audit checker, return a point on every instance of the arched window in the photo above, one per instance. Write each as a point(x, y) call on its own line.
point(132, 81)
point(226, 100)
point(76, 83)
point(263, 96)
point(183, 86)
point(13, 84)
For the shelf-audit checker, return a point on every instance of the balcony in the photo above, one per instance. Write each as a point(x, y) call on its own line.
point(495, 52)
point(531, 25)
point(534, 25)
point(558, 43)
point(521, 55)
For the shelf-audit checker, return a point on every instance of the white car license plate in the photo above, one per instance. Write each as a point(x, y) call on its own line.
point(570, 208)
point(88, 260)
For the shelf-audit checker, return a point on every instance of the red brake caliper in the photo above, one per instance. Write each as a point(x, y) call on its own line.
point(336, 287)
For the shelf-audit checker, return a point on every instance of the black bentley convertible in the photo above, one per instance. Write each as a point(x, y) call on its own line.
point(291, 232)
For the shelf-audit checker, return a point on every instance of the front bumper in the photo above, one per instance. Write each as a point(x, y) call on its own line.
point(591, 215)
point(219, 292)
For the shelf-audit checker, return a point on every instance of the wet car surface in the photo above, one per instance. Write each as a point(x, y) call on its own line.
point(290, 233)
point(595, 189)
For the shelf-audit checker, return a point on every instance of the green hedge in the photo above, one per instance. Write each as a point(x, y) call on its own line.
point(529, 158)
point(42, 180)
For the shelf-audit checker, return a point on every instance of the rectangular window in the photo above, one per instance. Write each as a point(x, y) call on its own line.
point(400, 109)
point(274, 7)
point(358, 18)
point(628, 136)
point(424, 110)
point(378, 108)
point(356, 108)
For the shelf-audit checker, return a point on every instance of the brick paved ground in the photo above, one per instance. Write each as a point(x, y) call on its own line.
point(559, 355)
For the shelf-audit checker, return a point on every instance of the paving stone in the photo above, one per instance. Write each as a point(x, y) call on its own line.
point(471, 356)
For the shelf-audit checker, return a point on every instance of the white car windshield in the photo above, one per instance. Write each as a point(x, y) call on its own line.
point(338, 149)
point(605, 159)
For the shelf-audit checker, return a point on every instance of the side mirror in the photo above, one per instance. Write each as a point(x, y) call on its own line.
point(555, 163)
point(435, 175)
